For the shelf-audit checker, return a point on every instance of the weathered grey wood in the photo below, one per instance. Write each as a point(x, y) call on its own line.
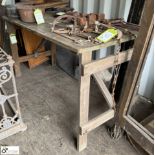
point(141, 127)
point(136, 131)
point(147, 119)
point(26, 58)
point(150, 126)
point(53, 54)
point(2, 25)
point(105, 63)
point(2, 32)
point(104, 89)
point(134, 67)
point(85, 53)
point(139, 136)
point(97, 121)
point(84, 92)
point(44, 30)
point(14, 50)
point(54, 4)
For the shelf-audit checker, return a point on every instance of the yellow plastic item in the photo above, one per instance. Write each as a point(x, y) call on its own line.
point(39, 16)
point(107, 35)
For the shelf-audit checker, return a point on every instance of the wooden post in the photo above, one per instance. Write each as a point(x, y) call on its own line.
point(123, 119)
point(2, 31)
point(53, 54)
point(84, 99)
point(14, 48)
point(139, 53)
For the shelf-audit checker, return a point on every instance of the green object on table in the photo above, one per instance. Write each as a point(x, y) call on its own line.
point(107, 35)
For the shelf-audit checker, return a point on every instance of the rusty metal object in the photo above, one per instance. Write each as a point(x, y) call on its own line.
point(26, 15)
point(84, 36)
point(78, 24)
point(101, 17)
point(82, 21)
point(58, 19)
point(26, 11)
point(92, 18)
point(77, 41)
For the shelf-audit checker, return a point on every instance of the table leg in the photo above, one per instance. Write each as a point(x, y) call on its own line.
point(84, 100)
point(14, 48)
point(2, 26)
point(53, 54)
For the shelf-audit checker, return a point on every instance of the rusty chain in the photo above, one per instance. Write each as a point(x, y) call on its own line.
point(116, 72)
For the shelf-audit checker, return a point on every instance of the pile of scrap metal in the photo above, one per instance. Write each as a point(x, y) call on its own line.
point(89, 26)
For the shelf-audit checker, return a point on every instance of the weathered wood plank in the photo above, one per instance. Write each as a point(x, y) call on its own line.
point(14, 50)
point(104, 89)
point(53, 54)
point(141, 127)
point(84, 92)
point(150, 127)
point(105, 63)
point(147, 119)
point(44, 30)
point(139, 136)
point(31, 48)
point(139, 53)
point(2, 25)
point(26, 58)
point(53, 4)
point(96, 122)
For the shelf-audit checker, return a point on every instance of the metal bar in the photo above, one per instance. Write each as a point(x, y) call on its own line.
point(9, 100)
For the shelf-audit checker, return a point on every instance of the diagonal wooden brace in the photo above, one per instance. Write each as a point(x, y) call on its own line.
point(104, 89)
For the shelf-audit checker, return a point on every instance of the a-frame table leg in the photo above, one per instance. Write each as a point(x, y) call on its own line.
point(84, 99)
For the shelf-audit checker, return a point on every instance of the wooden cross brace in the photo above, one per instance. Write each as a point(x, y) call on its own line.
point(89, 68)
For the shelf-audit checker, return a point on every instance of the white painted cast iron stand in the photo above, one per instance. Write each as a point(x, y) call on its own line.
point(13, 124)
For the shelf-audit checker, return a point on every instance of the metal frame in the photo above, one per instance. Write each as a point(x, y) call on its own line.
point(9, 125)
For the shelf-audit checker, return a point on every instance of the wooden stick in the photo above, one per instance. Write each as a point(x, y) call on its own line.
point(84, 100)
point(53, 54)
point(14, 49)
point(104, 89)
point(26, 58)
point(96, 122)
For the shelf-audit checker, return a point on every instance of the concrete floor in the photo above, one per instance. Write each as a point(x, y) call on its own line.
point(49, 105)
